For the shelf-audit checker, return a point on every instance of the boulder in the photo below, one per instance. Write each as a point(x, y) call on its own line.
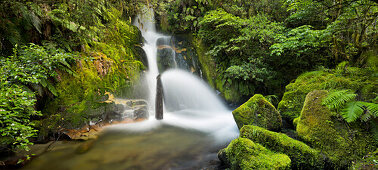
point(258, 111)
point(301, 155)
point(343, 77)
point(342, 143)
point(243, 153)
point(141, 112)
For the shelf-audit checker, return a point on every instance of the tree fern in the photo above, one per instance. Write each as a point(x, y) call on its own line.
point(338, 99)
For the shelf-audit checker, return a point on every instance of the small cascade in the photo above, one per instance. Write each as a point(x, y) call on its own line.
point(188, 101)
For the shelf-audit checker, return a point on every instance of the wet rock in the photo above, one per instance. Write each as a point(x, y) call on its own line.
point(258, 111)
point(222, 156)
point(342, 143)
point(165, 59)
point(163, 41)
point(141, 113)
point(114, 112)
point(301, 155)
point(142, 56)
point(243, 153)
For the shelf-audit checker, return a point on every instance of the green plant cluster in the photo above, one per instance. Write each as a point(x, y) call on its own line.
point(85, 48)
point(344, 101)
point(259, 46)
point(23, 77)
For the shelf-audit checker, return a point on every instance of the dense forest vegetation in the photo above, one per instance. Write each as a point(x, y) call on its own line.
point(59, 58)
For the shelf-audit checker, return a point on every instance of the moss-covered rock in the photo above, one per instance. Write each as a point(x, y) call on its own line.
point(360, 80)
point(243, 153)
point(342, 143)
point(258, 111)
point(208, 66)
point(301, 155)
point(369, 161)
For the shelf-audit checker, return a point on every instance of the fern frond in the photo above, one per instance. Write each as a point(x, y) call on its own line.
point(338, 99)
point(372, 108)
point(353, 111)
point(68, 70)
point(46, 84)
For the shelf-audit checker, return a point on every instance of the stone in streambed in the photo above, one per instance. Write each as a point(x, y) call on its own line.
point(342, 143)
point(302, 155)
point(243, 153)
point(258, 111)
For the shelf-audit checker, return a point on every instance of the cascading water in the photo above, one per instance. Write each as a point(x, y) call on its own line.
point(189, 102)
point(146, 25)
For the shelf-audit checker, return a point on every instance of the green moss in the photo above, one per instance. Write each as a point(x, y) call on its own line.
point(302, 155)
point(207, 63)
point(242, 153)
point(258, 111)
point(208, 66)
point(295, 121)
point(356, 79)
point(369, 161)
point(340, 142)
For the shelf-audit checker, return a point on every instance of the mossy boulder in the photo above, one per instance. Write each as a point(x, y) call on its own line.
point(301, 155)
point(243, 153)
point(360, 80)
point(342, 143)
point(369, 161)
point(258, 111)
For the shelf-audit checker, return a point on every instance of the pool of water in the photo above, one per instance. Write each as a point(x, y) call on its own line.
point(162, 147)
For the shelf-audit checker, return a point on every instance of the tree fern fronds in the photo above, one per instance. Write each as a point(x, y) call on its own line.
point(353, 111)
point(338, 99)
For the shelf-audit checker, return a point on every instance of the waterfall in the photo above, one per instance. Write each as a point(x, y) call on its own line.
point(189, 102)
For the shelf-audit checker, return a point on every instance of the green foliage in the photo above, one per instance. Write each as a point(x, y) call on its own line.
point(18, 19)
point(350, 22)
point(239, 47)
point(183, 15)
point(338, 99)
point(344, 102)
point(32, 65)
point(16, 109)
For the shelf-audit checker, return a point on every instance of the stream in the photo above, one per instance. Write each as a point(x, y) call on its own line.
point(196, 125)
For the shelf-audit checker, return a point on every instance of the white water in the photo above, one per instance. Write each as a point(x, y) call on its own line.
point(188, 101)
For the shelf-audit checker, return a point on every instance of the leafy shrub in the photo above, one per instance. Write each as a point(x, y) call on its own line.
point(32, 65)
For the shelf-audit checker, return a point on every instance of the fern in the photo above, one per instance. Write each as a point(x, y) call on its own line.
point(46, 84)
point(352, 111)
point(338, 99)
point(358, 109)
